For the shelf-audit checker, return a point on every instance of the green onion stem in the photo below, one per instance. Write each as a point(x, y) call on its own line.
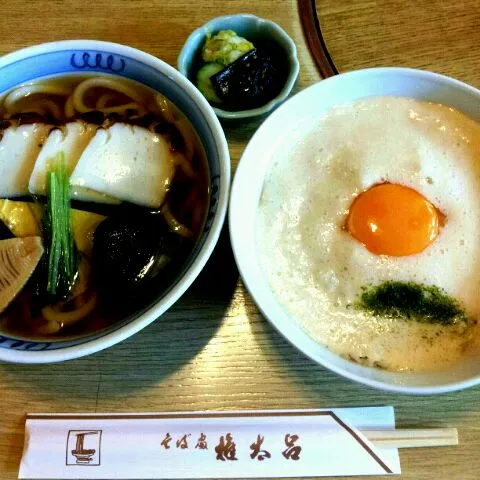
point(63, 258)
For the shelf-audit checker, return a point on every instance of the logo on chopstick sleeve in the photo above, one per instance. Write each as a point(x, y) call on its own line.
point(83, 447)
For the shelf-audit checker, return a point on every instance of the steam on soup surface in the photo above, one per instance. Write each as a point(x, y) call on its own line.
point(103, 194)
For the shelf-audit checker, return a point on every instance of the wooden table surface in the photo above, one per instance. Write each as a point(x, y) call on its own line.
point(213, 350)
point(429, 34)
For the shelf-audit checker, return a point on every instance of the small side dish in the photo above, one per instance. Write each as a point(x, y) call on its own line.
point(244, 65)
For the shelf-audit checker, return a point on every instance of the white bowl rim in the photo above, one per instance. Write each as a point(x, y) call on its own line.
point(137, 324)
point(247, 277)
point(292, 75)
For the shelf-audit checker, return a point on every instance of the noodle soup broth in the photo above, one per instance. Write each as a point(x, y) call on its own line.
point(134, 179)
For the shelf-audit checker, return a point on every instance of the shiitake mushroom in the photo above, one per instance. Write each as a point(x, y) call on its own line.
point(132, 250)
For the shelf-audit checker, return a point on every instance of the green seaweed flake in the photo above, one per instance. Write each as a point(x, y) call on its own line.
point(410, 300)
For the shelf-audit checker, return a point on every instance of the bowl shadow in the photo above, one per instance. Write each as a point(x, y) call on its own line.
point(148, 357)
point(317, 387)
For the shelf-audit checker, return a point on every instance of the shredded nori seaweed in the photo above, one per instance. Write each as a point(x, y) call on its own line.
point(410, 300)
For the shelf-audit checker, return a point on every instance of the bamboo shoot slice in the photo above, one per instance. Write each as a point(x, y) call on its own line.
point(18, 259)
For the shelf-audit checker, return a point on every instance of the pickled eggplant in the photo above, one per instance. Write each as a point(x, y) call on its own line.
point(253, 80)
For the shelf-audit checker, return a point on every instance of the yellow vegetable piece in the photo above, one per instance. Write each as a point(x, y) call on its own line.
point(22, 218)
point(83, 279)
point(83, 226)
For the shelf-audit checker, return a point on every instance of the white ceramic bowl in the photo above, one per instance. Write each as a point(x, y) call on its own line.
point(248, 183)
point(85, 56)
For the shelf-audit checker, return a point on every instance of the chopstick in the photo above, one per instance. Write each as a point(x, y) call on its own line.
point(413, 438)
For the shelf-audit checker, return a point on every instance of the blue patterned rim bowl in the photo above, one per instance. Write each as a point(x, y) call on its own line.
point(87, 56)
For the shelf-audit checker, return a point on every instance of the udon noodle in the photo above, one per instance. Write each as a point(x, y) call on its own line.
point(102, 107)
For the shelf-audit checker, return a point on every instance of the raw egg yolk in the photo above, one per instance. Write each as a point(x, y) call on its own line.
point(391, 219)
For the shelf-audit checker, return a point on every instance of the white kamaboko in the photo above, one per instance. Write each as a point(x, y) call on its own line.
point(71, 140)
point(120, 163)
point(19, 149)
point(126, 162)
